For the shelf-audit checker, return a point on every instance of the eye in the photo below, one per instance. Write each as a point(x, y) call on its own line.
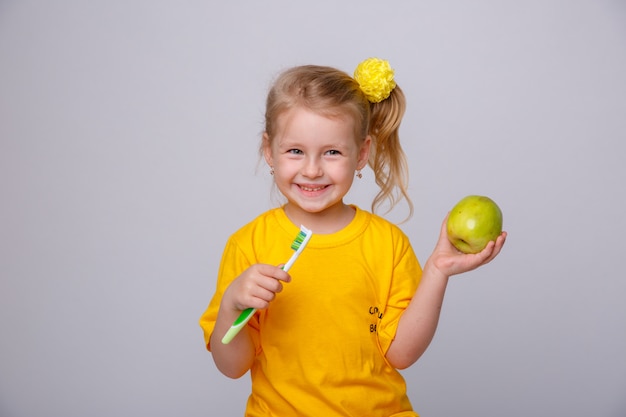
point(295, 151)
point(333, 152)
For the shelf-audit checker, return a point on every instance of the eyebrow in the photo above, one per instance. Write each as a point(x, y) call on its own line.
point(289, 143)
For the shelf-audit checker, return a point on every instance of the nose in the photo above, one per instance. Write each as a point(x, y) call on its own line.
point(312, 168)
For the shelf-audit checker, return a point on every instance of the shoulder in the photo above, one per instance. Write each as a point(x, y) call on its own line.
point(379, 225)
point(382, 234)
point(386, 240)
point(262, 221)
point(251, 231)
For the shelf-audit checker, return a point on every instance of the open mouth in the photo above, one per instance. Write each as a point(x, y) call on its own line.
point(310, 188)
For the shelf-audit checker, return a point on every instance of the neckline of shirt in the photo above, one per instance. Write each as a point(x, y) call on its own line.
point(353, 230)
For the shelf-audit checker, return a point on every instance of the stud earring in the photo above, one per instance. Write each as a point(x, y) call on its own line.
point(358, 174)
point(271, 170)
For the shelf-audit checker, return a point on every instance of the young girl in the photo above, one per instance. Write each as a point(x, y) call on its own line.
point(329, 336)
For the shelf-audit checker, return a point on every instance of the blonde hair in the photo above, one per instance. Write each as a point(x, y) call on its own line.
point(331, 92)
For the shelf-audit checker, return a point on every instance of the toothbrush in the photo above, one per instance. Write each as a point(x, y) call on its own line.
point(298, 245)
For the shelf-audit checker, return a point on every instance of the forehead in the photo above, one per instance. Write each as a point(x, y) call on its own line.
point(300, 122)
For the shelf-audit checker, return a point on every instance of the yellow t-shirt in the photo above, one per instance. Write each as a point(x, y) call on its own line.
point(321, 344)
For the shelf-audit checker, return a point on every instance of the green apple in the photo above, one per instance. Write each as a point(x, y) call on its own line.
point(473, 222)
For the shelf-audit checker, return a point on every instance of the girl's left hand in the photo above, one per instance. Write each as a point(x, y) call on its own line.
point(449, 261)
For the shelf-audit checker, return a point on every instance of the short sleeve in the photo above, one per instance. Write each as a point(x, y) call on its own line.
point(233, 263)
point(405, 279)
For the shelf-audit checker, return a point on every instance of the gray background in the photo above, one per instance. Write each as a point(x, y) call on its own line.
point(128, 137)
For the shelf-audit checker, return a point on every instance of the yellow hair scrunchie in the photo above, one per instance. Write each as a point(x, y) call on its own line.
point(375, 77)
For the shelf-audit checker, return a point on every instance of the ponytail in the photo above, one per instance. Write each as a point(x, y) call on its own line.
point(387, 159)
point(387, 105)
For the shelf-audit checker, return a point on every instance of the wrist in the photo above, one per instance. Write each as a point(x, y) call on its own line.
point(229, 310)
point(431, 269)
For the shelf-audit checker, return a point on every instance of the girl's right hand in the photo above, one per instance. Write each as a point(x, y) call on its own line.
point(256, 287)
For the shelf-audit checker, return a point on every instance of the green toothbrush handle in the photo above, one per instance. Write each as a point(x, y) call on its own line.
point(238, 324)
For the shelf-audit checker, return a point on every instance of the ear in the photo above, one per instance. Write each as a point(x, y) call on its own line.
point(364, 152)
point(267, 149)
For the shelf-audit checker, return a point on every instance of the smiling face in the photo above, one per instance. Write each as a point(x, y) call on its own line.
point(314, 158)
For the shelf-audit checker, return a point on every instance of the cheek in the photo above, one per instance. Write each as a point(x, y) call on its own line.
point(344, 171)
point(285, 167)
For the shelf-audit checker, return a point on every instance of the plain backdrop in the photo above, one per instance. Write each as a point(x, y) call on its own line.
point(128, 155)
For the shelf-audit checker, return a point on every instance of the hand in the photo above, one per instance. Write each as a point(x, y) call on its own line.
point(449, 261)
point(256, 287)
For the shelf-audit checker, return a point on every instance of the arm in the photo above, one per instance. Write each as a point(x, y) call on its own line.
point(256, 287)
point(419, 321)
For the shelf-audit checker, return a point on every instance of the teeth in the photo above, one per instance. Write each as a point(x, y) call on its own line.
point(311, 189)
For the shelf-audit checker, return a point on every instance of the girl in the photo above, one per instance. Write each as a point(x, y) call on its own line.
point(330, 341)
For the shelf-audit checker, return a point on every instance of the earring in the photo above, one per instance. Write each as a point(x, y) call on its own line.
point(271, 170)
point(358, 174)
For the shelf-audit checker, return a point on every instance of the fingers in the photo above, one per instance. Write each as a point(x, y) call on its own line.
point(257, 286)
point(497, 247)
point(275, 272)
point(262, 297)
point(492, 249)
